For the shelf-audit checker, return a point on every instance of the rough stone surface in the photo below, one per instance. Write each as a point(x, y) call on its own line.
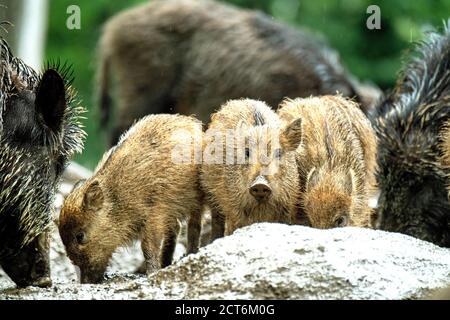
point(270, 261)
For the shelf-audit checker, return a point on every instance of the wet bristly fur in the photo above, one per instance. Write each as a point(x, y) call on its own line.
point(190, 57)
point(39, 132)
point(411, 176)
point(336, 161)
point(227, 185)
point(445, 150)
point(136, 192)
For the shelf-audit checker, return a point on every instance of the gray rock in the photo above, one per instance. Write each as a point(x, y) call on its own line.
point(273, 261)
point(292, 262)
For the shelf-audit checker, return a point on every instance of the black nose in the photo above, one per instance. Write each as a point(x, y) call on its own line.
point(260, 189)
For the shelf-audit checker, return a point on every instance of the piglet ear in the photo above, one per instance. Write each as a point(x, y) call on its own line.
point(93, 197)
point(350, 183)
point(78, 184)
point(50, 100)
point(312, 179)
point(292, 135)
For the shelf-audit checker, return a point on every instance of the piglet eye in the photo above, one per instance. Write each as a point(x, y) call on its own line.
point(247, 153)
point(81, 237)
point(341, 221)
point(277, 154)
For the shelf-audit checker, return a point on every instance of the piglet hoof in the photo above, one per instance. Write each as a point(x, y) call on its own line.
point(152, 267)
point(44, 282)
point(142, 269)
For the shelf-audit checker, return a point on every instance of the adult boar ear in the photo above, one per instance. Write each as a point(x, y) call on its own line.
point(50, 100)
point(312, 179)
point(93, 197)
point(292, 135)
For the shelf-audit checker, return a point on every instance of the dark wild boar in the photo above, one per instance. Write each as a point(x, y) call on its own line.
point(39, 132)
point(190, 57)
point(409, 122)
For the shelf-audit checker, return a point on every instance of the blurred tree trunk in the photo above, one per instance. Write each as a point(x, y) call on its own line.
point(27, 36)
point(33, 32)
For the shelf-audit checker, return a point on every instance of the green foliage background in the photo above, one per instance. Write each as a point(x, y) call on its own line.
point(373, 55)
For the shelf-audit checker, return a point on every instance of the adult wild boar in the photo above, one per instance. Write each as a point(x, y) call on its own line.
point(39, 132)
point(189, 57)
